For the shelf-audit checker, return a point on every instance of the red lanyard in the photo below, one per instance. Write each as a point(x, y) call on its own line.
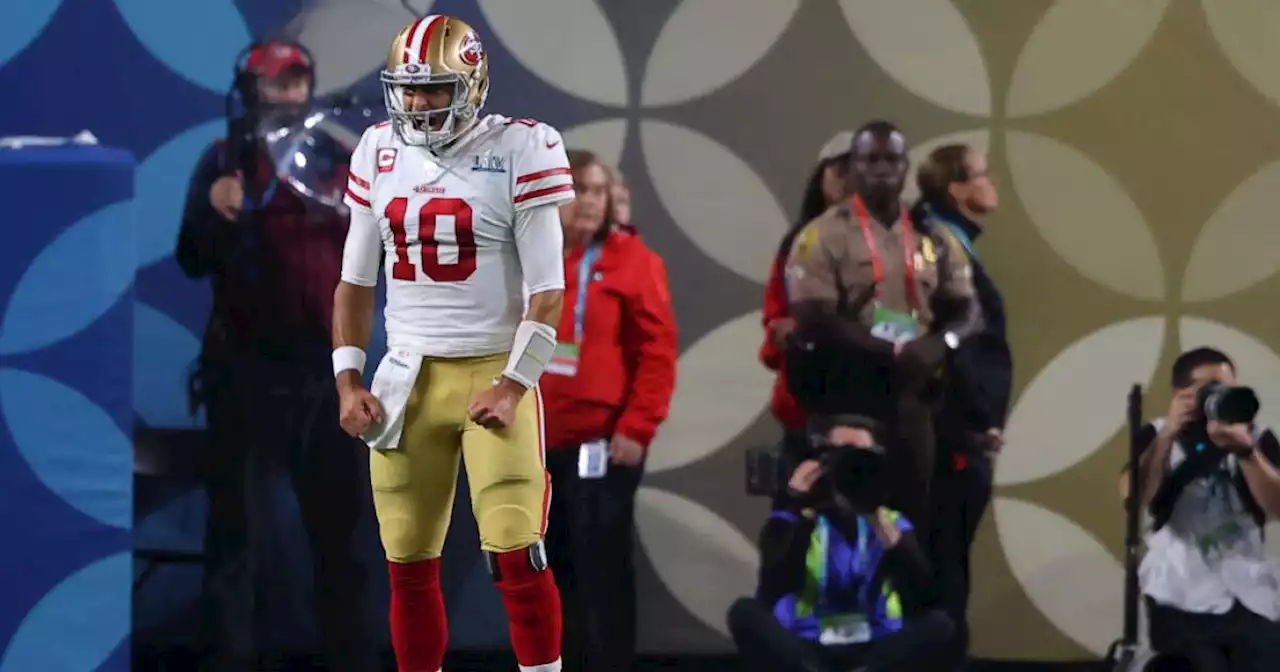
point(908, 251)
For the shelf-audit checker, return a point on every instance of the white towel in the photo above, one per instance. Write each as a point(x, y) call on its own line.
point(392, 384)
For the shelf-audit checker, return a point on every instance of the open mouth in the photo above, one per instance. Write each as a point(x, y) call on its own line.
point(434, 122)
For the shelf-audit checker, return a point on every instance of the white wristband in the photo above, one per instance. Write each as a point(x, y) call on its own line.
point(531, 351)
point(346, 358)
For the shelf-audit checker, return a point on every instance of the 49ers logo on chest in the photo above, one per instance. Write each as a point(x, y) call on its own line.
point(470, 51)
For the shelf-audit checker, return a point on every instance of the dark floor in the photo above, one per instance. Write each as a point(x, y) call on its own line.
point(174, 660)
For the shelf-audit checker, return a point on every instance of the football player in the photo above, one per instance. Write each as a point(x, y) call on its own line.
point(464, 211)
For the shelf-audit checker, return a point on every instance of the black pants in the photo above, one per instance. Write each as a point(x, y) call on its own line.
point(266, 419)
point(911, 460)
point(961, 494)
point(1237, 641)
point(766, 646)
point(590, 541)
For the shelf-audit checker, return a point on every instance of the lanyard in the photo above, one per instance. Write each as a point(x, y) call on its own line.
point(589, 257)
point(961, 236)
point(824, 542)
point(908, 250)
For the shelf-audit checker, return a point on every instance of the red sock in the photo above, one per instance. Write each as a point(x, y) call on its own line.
point(419, 631)
point(533, 609)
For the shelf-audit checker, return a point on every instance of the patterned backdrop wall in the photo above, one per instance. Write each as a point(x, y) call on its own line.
point(1133, 142)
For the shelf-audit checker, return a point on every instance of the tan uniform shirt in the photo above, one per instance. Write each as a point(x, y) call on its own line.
point(831, 261)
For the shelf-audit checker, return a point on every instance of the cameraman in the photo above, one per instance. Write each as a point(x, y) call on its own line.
point(841, 577)
point(265, 375)
point(1208, 478)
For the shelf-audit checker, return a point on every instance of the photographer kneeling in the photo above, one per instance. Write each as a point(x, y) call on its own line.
point(1209, 479)
point(841, 576)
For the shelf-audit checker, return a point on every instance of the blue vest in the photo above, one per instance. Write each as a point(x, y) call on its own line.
point(837, 588)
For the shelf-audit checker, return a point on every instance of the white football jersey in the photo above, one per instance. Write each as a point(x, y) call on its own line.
point(454, 281)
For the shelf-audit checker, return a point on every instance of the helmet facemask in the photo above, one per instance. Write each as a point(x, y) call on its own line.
point(414, 127)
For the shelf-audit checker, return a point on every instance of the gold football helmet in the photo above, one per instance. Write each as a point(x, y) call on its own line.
point(431, 51)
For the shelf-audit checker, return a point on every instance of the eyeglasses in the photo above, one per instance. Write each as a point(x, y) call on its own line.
point(973, 175)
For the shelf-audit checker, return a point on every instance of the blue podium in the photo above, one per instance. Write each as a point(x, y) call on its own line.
point(67, 266)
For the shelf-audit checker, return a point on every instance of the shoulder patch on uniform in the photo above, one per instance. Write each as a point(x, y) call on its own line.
point(957, 256)
point(926, 249)
point(805, 242)
point(952, 241)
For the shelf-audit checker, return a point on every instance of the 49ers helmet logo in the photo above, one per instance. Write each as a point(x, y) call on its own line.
point(471, 50)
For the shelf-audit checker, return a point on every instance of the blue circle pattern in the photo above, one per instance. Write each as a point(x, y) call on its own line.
point(51, 424)
point(72, 446)
point(197, 41)
point(168, 348)
point(162, 189)
point(44, 309)
point(23, 22)
point(77, 625)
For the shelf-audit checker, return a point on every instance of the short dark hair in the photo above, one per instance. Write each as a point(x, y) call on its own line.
point(580, 160)
point(819, 427)
point(881, 128)
point(1189, 361)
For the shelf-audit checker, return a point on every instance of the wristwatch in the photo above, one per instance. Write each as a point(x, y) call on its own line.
point(951, 339)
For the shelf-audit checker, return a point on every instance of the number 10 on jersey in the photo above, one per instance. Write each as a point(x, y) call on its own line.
point(428, 218)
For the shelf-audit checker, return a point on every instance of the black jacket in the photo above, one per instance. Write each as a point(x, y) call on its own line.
point(980, 373)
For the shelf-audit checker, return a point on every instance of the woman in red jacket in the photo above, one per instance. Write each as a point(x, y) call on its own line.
point(825, 187)
point(620, 198)
point(607, 389)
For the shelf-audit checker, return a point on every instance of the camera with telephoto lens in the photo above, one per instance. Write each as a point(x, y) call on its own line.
point(852, 473)
point(1227, 404)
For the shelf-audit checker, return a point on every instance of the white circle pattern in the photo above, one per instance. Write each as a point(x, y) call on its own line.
point(1052, 180)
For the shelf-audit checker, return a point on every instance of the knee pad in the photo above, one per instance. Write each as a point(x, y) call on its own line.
point(507, 525)
point(520, 563)
point(510, 514)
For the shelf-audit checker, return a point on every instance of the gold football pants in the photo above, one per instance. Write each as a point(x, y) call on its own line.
point(413, 486)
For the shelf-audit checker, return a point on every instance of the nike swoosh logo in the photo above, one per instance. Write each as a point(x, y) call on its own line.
point(552, 145)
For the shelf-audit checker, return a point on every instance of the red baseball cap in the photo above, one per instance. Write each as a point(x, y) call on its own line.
point(272, 59)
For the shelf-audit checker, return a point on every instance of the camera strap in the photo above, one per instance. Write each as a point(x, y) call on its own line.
point(1200, 462)
point(908, 233)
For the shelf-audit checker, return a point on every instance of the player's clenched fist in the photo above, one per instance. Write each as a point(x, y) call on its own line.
point(495, 407)
point(359, 409)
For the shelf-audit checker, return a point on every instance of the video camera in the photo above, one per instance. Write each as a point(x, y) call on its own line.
point(1227, 404)
point(852, 473)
